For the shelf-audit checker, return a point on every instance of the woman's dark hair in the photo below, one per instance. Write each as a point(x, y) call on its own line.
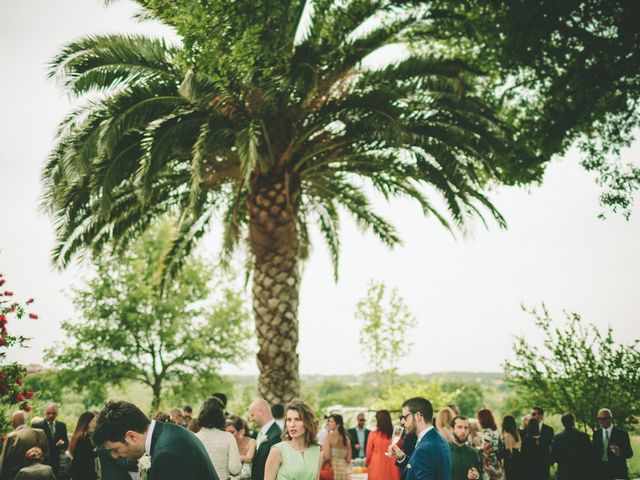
point(81, 431)
point(509, 426)
point(211, 415)
point(383, 417)
point(339, 420)
point(485, 417)
point(533, 428)
point(237, 422)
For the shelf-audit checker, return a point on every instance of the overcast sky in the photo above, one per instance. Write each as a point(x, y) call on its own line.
point(465, 292)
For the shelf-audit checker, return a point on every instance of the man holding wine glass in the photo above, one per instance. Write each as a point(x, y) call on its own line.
point(431, 459)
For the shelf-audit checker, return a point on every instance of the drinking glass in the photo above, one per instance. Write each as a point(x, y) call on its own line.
point(395, 436)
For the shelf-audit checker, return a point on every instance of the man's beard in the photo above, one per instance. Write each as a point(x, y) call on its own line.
point(459, 440)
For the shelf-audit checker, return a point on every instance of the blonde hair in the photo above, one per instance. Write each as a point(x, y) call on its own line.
point(443, 418)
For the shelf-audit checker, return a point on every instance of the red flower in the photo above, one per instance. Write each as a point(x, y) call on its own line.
point(3, 319)
point(19, 381)
point(27, 408)
point(2, 280)
point(2, 375)
point(19, 397)
point(7, 293)
point(28, 394)
point(29, 301)
point(33, 316)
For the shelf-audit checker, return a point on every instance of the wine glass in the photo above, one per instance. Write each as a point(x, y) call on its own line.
point(395, 437)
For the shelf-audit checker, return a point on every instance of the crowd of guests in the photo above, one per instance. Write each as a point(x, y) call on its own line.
point(122, 443)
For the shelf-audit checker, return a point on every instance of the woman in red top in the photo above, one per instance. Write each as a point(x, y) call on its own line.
point(381, 467)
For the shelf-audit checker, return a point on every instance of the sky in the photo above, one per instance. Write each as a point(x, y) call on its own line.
point(465, 291)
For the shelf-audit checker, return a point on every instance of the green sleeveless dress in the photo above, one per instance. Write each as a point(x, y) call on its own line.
point(298, 465)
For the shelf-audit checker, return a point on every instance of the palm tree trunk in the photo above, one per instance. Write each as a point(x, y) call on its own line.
point(276, 284)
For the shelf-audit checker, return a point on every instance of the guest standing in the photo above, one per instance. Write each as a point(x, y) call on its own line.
point(359, 436)
point(220, 445)
point(611, 447)
point(268, 435)
point(546, 437)
point(465, 460)
point(337, 447)
point(443, 423)
point(298, 457)
point(512, 448)
point(491, 464)
point(56, 433)
point(569, 449)
point(34, 469)
point(381, 467)
point(534, 457)
point(81, 449)
point(237, 427)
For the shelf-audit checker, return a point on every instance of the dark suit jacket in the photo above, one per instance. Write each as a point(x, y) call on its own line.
point(570, 449)
point(353, 434)
point(431, 459)
point(176, 453)
point(16, 445)
point(262, 452)
point(61, 434)
point(617, 465)
point(36, 472)
point(546, 438)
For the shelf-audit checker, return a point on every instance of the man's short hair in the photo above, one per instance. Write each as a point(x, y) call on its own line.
point(187, 409)
point(568, 420)
point(540, 410)
point(422, 405)
point(277, 410)
point(459, 417)
point(116, 419)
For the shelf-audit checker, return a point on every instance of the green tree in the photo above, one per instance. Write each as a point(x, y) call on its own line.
point(392, 397)
point(567, 73)
point(128, 331)
point(579, 370)
point(382, 340)
point(469, 396)
point(268, 118)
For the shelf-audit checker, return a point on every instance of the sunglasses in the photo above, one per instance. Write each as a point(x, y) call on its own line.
point(404, 417)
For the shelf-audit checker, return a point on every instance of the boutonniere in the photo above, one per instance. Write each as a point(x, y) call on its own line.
point(144, 464)
point(265, 439)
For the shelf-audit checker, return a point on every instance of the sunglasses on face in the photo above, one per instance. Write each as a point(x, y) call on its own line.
point(404, 417)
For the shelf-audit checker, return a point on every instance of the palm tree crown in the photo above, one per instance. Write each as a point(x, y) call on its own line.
point(273, 126)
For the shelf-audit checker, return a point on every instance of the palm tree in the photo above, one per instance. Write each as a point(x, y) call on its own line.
point(293, 130)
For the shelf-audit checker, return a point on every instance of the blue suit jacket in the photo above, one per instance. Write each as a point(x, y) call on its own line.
point(431, 460)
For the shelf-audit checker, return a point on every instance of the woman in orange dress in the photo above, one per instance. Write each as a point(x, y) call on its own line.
point(381, 467)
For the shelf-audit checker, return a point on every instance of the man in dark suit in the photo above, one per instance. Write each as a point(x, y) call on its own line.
point(611, 448)
point(268, 435)
point(176, 453)
point(431, 459)
point(56, 433)
point(16, 445)
point(359, 436)
point(570, 449)
point(546, 437)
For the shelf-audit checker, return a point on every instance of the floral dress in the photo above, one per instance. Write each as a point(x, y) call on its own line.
point(490, 462)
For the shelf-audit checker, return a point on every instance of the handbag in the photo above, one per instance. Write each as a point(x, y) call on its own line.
point(326, 471)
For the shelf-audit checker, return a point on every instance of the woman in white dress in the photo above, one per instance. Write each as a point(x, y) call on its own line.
point(220, 445)
point(237, 426)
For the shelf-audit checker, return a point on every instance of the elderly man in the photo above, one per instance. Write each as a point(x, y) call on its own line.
point(431, 459)
point(611, 447)
point(173, 452)
point(18, 442)
point(268, 436)
point(56, 433)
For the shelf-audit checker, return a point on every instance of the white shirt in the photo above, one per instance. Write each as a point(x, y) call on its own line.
point(263, 431)
point(423, 433)
point(605, 432)
point(147, 442)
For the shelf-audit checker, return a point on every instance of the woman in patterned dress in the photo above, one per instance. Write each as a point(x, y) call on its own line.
point(337, 447)
point(491, 463)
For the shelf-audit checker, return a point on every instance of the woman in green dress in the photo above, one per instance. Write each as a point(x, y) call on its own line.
point(298, 456)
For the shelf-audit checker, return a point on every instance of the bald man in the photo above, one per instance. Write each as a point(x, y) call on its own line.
point(268, 436)
point(18, 442)
point(56, 433)
point(612, 447)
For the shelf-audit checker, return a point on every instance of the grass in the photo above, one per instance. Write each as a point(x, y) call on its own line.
point(634, 462)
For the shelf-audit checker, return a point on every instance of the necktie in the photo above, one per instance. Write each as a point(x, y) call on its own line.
point(52, 427)
point(605, 445)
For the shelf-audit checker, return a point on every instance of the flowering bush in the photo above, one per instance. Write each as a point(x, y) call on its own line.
point(12, 390)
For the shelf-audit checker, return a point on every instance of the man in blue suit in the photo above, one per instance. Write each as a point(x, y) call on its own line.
point(431, 459)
